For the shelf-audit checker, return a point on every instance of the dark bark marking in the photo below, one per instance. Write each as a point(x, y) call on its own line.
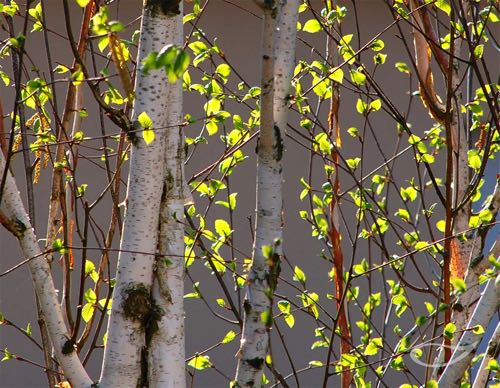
point(165, 7)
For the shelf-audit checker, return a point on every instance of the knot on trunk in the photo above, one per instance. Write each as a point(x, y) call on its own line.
point(166, 7)
point(138, 305)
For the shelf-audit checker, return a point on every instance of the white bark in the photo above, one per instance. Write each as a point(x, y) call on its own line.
point(491, 354)
point(469, 341)
point(476, 268)
point(263, 274)
point(284, 60)
point(166, 364)
point(12, 208)
point(132, 306)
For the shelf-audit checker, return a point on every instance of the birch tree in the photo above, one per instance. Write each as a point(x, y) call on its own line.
point(278, 58)
point(135, 314)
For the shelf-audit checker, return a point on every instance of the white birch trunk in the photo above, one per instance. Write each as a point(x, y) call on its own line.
point(13, 210)
point(166, 364)
point(264, 271)
point(490, 354)
point(132, 308)
point(469, 341)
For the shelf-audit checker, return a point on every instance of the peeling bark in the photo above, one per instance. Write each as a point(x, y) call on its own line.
point(334, 228)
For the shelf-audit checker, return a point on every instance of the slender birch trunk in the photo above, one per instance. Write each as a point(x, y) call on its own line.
point(166, 363)
point(133, 313)
point(335, 236)
point(461, 253)
point(15, 218)
point(466, 347)
point(277, 66)
point(491, 354)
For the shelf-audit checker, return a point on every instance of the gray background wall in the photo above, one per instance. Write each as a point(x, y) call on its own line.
point(238, 34)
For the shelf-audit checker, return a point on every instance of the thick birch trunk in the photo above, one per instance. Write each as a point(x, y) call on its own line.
point(12, 211)
point(490, 355)
point(278, 66)
point(133, 314)
point(469, 341)
point(166, 364)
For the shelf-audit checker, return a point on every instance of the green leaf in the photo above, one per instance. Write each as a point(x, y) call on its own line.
point(58, 246)
point(353, 131)
point(380, 58)
point(89, 267)
point(337, 75)
point(377, 45)
point(299, 275)
point(82, 3)
point(478, 330)
point(478, 51)
point(408, 194)
point(441, 225)
point(77, 77)
point(148, 136)
point(200, 362)
point(361, 106)
point(144, 120)
point(230, 335)
point(402, 67)
point(90, 296)
point(403, 214)
point(443, 5)
point(312, 26)
point(373, 347)
point(376, 105)
point(61, 69)
point(88, 311)
point(323, 143)
point(357, 77)
point(212, 127)
point(474, 159)
point(353, 163)
point(222, 228)
point(223, 71)
point(430, 307)
point(458, 284)
point(449, 330)
point(7, 355)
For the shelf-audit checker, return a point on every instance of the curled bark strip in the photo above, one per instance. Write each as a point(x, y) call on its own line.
point(423, 56)
point(118, 58)
point(457, 263)
point(335, 235)
point(57, 195)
